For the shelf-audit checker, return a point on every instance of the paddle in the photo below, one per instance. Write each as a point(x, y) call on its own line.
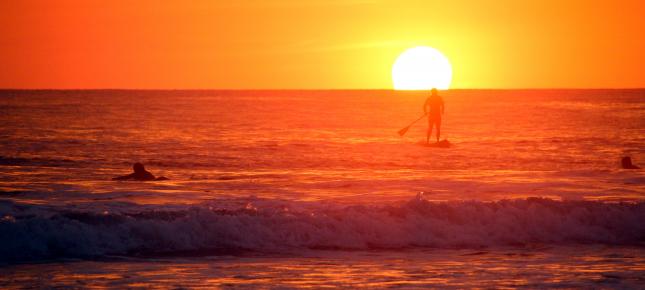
point(405, 130)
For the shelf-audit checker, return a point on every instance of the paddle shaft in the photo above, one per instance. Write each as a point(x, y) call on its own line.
point(405, 130)
point(417, 120)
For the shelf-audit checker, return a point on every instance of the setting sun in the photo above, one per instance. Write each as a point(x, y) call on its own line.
point(421, 68)
point(322, 143)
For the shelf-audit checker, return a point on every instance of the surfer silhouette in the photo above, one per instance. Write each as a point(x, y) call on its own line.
point(433, 108)
point(140, 174)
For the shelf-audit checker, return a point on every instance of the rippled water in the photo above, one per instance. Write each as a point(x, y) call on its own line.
point(318, 184)
point(591, 267)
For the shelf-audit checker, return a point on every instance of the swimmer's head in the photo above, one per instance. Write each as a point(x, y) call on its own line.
point(138, 167)
point(626, 162)
point(434, 91)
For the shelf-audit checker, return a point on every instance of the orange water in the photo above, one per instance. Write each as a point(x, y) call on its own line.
point(591, 267)
point(315, 188)
point(320, 145)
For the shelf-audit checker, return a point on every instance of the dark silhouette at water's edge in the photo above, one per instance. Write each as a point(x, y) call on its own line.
point(140, 174)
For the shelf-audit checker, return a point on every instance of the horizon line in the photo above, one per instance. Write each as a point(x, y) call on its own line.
point(308, 89)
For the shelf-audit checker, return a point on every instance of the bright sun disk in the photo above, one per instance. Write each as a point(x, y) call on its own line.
point(421, 68)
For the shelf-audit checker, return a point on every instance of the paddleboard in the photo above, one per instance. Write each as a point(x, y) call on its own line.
point(441, 144)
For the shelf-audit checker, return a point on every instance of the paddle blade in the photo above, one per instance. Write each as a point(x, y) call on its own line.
point(403, 131)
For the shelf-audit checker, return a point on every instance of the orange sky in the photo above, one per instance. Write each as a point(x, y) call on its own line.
point(333, 44)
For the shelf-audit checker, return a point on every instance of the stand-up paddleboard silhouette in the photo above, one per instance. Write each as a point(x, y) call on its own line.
point(441, 144)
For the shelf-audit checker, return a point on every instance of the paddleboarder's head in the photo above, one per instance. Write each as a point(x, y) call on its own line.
point(434, 91)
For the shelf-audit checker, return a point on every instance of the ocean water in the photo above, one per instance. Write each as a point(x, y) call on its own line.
point(316, 188)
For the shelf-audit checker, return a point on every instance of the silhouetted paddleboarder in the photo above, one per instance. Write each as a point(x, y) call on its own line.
point(140, 174)
point(434, 108)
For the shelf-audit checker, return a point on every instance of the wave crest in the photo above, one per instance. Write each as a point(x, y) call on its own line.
point(38, 232)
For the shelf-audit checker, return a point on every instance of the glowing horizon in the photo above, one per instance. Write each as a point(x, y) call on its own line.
point(317, 44)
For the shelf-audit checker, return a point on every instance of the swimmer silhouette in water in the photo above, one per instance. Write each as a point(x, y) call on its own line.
point(626, 163)
point(140, 174)
point(434, 108)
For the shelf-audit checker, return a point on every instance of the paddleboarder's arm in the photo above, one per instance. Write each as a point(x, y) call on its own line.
point(442, 106)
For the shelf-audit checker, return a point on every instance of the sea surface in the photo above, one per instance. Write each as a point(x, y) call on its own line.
point(316, 188)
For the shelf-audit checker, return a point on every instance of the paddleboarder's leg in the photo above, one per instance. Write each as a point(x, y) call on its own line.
point(438, 124)
point(429, 133)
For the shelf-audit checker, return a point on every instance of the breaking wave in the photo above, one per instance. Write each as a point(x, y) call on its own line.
point(41, 232)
